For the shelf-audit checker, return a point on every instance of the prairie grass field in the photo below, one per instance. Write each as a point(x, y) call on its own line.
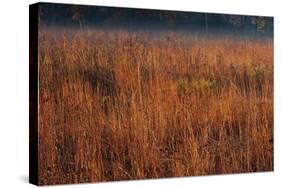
point(120, 105)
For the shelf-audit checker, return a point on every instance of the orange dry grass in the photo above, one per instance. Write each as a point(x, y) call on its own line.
point(118, 105)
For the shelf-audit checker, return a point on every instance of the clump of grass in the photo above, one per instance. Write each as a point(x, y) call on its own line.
point(182, 86)
point(202, 83)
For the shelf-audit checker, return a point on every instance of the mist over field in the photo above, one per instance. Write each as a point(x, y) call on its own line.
point(87, 17)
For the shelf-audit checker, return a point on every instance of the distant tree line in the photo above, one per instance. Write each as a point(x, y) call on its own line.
point(87, 16)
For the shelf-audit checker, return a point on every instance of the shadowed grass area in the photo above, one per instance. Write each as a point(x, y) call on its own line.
point(118, 105)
